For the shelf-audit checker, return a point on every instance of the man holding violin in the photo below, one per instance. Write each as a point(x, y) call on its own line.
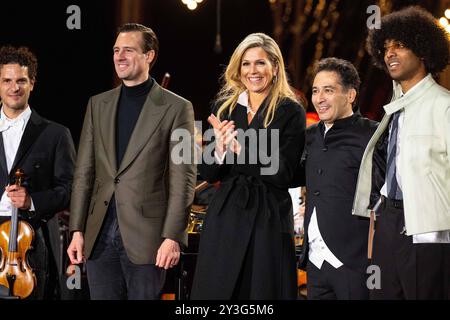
point(45, 152)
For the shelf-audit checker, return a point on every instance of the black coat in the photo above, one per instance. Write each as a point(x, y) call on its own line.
point(332, 165)
point(46, 154)
point(249, 224)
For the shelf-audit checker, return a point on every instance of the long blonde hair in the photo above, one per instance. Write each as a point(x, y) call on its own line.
point(233, 87)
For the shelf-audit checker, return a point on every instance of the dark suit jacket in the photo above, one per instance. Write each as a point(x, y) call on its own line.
point(152, 193)
point(46, 154)
point(332, 165)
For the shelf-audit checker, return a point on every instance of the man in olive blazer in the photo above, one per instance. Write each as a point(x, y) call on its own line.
point(129, 208)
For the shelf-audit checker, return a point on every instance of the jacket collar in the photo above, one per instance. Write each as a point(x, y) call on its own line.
point(258, 118)
point(149, 119)
point(21, 120)
point(398, 102)
point(341, 123)
point(33, 129)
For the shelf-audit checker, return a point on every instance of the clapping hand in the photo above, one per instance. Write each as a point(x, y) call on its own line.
point(225, 134)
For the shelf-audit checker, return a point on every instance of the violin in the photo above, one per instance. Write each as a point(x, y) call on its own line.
point(16, 237)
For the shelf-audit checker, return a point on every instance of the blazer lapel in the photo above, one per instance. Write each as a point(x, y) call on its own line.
point(3, 166)
point(107, 121)
point(33, 129)
point(150, 117)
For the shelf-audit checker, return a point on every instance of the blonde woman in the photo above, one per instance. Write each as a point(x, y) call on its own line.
point(246, 247)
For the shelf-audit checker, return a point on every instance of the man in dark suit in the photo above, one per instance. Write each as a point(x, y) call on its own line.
point(44, 150)
point(335, 241)
point(131, 198)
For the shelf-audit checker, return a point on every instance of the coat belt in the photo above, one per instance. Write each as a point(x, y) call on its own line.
point(245, 187)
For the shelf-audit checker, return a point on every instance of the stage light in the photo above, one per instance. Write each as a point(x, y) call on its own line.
point(443, 22)
point(192, 5)
point(447, 13)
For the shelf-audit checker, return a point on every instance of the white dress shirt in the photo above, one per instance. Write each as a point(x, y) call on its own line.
point(318, 249)
point(12, 132)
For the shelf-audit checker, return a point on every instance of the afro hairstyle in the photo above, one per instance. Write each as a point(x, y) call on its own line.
point(419, 31)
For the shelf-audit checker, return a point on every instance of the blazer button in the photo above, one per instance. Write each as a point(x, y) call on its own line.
point(325, 149)
point(316, 193)
point(116, 180)
point(106, 203)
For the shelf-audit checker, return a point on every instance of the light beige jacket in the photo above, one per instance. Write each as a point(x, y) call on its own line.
point(424, 158)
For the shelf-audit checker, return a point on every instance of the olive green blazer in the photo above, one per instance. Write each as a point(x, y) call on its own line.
point(153, 193)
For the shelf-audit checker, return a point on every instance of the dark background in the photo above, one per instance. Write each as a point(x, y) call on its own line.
point(76, 64)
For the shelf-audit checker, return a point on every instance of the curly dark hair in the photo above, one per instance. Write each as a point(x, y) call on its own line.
point(348, 75)
point(419, 31)
point(22, 56)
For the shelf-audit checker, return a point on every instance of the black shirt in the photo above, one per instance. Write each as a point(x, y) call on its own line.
point(130, 104)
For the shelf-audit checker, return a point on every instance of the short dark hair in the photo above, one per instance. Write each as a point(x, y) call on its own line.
point(22, 56)
point(148, 35)
point(419, 31)
point(346, 71)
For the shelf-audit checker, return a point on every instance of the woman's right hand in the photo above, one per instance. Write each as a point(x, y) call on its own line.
point(224, 133)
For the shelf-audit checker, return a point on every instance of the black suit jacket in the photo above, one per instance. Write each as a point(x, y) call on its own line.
point(46, 154)
point(331, 166)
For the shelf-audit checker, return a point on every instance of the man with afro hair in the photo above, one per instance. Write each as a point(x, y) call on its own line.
point(407, 161)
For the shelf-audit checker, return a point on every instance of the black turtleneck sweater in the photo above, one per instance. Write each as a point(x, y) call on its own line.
point(130, 104)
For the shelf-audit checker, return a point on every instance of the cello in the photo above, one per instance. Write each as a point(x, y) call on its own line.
point(16, 237)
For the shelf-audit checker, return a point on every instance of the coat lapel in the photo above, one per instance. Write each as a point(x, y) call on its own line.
point(33, 129)
point(107, 115)
point(149, 119)
point(240, 117)
point(258, 120)
point(3, 166)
